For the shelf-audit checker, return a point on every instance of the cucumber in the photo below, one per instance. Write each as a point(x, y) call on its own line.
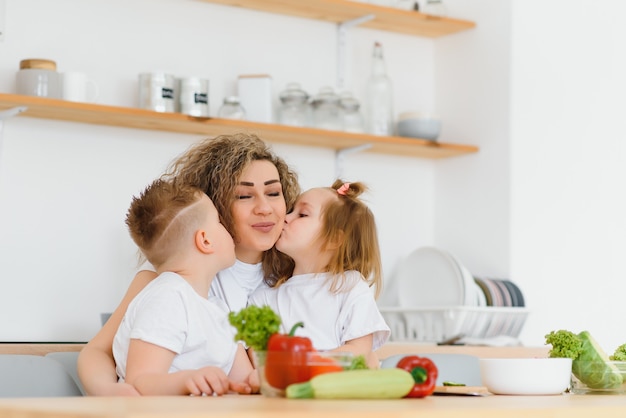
point(392, 383)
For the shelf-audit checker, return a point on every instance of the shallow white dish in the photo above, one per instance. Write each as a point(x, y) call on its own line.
point(432, 277)
point(526, 376)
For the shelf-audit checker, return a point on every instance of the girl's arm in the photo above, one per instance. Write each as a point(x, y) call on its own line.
point(362, 346)
point(96, 367)
point(148, 371)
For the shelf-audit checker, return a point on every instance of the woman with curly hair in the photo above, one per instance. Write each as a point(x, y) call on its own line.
point(252, 189)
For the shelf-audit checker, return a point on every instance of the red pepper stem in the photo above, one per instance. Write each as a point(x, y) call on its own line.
point(295, 327)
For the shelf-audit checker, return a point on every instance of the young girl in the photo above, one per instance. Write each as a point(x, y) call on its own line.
point(331, 236)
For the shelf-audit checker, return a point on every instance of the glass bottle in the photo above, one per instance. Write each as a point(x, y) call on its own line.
point(231, 109)
point(350, 113)
point(379, 96)
point(326, 112)
point(294, 109)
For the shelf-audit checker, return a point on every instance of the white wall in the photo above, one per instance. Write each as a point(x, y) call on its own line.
point(64, 188)
point(472, 78)
point(568, 172)
point(538, 86)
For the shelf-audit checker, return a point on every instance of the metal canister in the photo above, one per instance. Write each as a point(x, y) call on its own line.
point(157, 91)
point(193, 96)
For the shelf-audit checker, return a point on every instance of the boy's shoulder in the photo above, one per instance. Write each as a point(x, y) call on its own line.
point(165, 284)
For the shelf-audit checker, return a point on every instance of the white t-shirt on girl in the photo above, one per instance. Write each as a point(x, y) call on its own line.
point(330, 319)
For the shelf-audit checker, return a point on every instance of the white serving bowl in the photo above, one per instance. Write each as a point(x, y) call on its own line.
point(418, 125)
point(526, 376)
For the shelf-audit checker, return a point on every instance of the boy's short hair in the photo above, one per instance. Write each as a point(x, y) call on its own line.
point(159, 219)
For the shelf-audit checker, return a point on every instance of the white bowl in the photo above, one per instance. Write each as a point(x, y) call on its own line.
point(418, 125)
point(526, 376)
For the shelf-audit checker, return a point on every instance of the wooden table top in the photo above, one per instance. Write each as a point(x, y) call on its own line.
point(237, 406)
point(387, 350)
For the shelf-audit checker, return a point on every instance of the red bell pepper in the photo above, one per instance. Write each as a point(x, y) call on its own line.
point(424, 373)
point(286, 360)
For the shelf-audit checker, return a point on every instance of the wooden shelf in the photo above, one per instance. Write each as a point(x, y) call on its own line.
point(385, 18)
point(44, 108)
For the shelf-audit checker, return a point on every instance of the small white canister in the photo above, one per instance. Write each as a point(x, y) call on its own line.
point(255, 93)
point(157, 92)
point(193, 96)
point(38, 77)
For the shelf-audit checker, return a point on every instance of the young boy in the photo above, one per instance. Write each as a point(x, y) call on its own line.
point(174, 338)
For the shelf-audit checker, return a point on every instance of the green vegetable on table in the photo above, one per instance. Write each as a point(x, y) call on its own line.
point(358, 363)
point(619, 354)
point(564, 344)
point(448, 383)
point(392, 383)
point(255, 325)
point(590, 364)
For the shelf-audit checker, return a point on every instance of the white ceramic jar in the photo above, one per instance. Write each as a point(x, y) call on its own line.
point(38, 77)
point(255, 94)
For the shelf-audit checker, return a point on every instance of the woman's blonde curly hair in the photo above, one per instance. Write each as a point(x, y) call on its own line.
point(215, 166)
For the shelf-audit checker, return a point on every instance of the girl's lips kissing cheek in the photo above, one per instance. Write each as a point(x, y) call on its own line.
point(264, 226)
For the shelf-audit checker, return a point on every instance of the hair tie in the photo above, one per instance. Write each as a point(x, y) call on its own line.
point(343, 189)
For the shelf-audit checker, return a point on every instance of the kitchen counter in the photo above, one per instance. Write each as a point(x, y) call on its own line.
point(236, 406)
point(393, 348)
point(387, 350)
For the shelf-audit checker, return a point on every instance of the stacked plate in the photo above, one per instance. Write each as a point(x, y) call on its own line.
point(433, 277)
point(436, 298)
point(499, 292)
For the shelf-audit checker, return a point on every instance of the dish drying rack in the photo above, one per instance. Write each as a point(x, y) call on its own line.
point(435, 324)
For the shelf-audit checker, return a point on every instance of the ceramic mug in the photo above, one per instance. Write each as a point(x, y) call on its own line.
point(38, 82)
point(77, 87)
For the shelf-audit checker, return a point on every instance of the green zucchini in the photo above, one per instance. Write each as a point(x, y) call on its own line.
point(392, 383)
